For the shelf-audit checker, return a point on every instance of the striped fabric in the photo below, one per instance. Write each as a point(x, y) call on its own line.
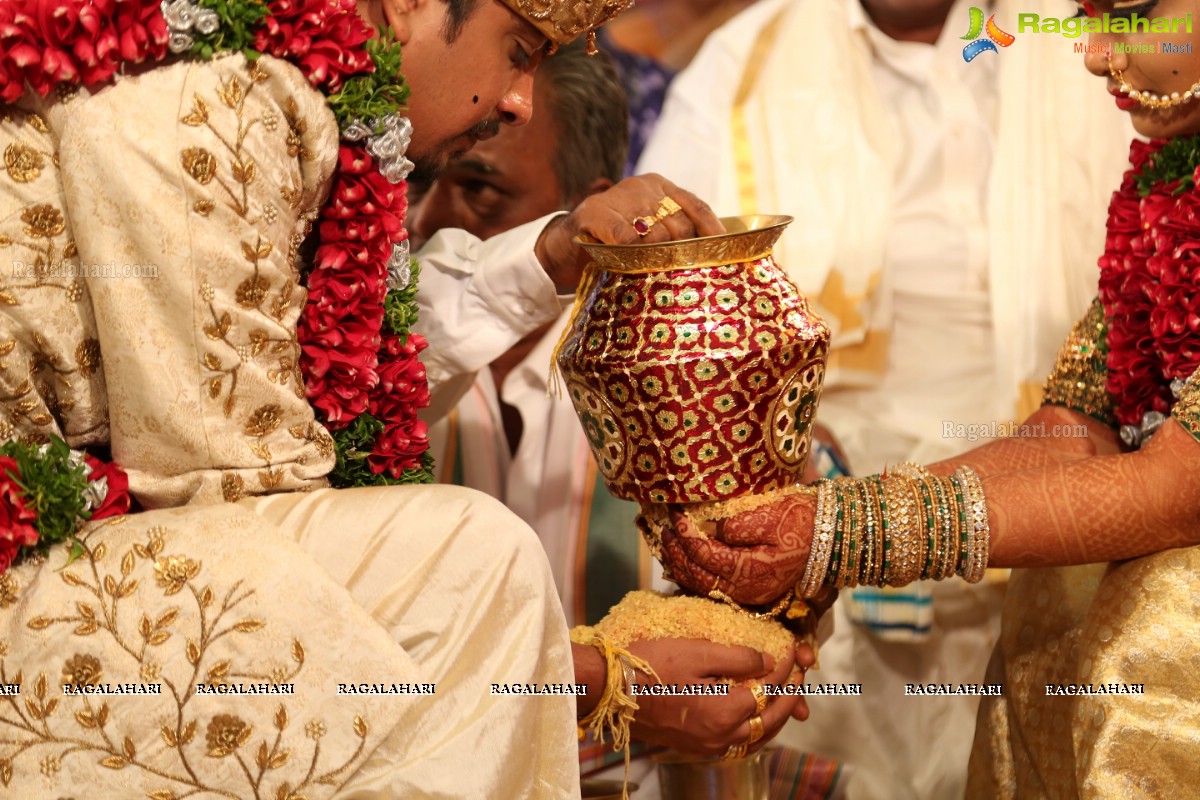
point(615, 559)
point(803, 776)
point(615, 562)
point(902, 614)
point(595, 756)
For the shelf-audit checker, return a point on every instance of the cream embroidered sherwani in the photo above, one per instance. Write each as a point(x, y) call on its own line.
point(149, 293)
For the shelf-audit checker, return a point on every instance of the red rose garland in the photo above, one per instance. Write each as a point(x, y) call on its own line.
point(341, 323)
point(324, 39)
point(16, 517)
point(1150, 287)
point(45, 43)
point(403, 390)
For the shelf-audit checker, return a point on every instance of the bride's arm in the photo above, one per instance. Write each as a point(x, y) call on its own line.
point(1105, 508)
point(1052, 435)
point(1049, 504)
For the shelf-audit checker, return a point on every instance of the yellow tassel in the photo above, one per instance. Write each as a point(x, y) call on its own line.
point(591, 273)
point(617, 706)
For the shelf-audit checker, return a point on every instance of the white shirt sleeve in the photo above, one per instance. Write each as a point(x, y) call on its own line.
point(477, 299)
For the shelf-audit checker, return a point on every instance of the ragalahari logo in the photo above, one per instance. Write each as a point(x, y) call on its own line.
point(995, 36)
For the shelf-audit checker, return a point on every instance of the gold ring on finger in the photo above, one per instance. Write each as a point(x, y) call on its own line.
point(756, 730)
point(666, 207)
point(760, 695)
point(643, 224)
point(735, 751)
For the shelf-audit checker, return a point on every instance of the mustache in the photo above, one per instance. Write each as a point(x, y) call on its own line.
point(484, 130)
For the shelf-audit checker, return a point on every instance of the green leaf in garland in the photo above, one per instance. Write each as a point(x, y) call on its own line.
point(240, 19)
point(73, 554)
point(400, 306)
point(354, 443)
point(1172, 167)
point(53, 486)
point(377, 94)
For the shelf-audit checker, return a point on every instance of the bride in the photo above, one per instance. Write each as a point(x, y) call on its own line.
point(1077, 642)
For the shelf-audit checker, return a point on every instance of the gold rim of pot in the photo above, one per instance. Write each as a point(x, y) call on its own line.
point(747, 238)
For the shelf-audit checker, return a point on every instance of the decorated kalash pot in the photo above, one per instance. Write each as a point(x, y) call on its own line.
point(695, 367)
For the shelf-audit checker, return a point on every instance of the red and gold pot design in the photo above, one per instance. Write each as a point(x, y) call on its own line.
point(695, 366)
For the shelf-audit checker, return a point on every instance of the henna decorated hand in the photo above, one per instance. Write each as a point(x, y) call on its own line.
point(755, 557)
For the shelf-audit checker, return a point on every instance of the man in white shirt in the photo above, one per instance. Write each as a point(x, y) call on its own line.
point(947, 227)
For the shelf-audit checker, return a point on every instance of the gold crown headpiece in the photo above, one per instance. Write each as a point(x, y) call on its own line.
point(562, 21)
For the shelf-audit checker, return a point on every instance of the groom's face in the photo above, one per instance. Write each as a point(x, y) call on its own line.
point(464, 85)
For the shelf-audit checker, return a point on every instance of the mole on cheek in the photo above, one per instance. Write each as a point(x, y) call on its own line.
point(475, 99)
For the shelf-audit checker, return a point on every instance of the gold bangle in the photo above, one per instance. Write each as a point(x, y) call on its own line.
point(923, 538)
point(941, 513)
point(909, 533)
point(912, 470)
point(959, 516)
point(881, 540)
point(816, 571)
point(979, 528)
point(897, 529)
point(901, 545)
point(842, 537)
point(952, 540)
point(927, 514)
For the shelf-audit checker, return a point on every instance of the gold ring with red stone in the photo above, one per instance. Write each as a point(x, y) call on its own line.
point(666, 207)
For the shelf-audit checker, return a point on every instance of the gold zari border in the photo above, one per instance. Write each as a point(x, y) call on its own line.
point(1078, 379)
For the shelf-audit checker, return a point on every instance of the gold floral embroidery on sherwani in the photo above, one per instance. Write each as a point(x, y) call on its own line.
point(200, 350)
point(274, 337)
point(116, 646)
point(50, 376)
point(1077, 381)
